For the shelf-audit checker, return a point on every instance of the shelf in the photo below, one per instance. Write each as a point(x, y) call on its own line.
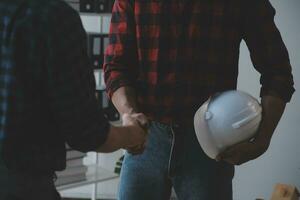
point(116, 123)
point(100, 88)
point(94, 175)
point(95, 14)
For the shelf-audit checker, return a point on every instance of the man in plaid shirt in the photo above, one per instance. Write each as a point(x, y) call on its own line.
point(165, 59)
point(47, 98)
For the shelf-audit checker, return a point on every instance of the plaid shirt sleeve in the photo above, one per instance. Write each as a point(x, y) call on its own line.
point(70, 82)
point(268, 52)
point(121, 60)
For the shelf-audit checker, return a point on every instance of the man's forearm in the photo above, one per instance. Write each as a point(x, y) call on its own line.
point(273, 108)
point(113, 141)
point(118, 138)
point(124, 100)
point(127, 136)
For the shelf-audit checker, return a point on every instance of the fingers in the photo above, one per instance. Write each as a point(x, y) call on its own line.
point(141, 124)
point(139, 149)
point(228, 153)
point(141, 119)
point(227, 156)
point(137, 117)
point(137, 139)
point(235, 159)
point(240, 153)
point(128, 120)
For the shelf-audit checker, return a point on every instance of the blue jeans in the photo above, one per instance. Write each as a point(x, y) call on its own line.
point(174, 158)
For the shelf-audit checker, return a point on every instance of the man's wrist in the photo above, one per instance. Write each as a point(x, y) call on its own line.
point(113, 141)
point(273, 108)
point(124, 100)
point(121, 136)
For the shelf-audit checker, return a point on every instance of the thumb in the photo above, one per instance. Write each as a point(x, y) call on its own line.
point(142, 120)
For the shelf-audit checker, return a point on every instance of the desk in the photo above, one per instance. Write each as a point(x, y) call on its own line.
point(94, 175)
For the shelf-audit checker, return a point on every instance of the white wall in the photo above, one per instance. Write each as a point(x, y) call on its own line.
point(281, 163)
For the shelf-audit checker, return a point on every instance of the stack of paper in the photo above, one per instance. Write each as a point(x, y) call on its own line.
point(75, 169)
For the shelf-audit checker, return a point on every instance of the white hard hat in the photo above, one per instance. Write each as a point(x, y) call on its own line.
point(226, 119)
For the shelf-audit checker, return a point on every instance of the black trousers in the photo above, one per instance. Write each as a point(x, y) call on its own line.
point(21, 186)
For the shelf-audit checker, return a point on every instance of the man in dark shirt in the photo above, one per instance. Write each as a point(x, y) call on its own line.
point(165, 59)
point(47, 98)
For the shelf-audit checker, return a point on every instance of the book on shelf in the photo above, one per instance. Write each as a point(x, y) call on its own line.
point(70, 179)
point(74, 163)
point(72, 171)
point(72, 154)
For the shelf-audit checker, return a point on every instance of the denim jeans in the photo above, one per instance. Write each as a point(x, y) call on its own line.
point(21, 186)
point(174, 158)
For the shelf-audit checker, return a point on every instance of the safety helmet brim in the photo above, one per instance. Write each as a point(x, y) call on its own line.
point(205, 138)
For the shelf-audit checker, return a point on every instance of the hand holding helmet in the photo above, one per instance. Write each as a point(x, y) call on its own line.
point(231, 126)
point(273, 108)
point(225, 120)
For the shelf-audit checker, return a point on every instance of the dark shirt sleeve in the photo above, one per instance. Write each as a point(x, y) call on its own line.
point(268, 52)
point(121, 59)
point(70, 82)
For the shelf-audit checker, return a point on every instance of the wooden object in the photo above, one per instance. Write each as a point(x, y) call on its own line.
point(285, 192)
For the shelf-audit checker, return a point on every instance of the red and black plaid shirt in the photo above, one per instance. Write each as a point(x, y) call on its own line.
point(177, 53)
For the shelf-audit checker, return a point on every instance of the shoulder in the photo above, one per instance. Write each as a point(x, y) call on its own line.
point(257, 3)
point(258, 8)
